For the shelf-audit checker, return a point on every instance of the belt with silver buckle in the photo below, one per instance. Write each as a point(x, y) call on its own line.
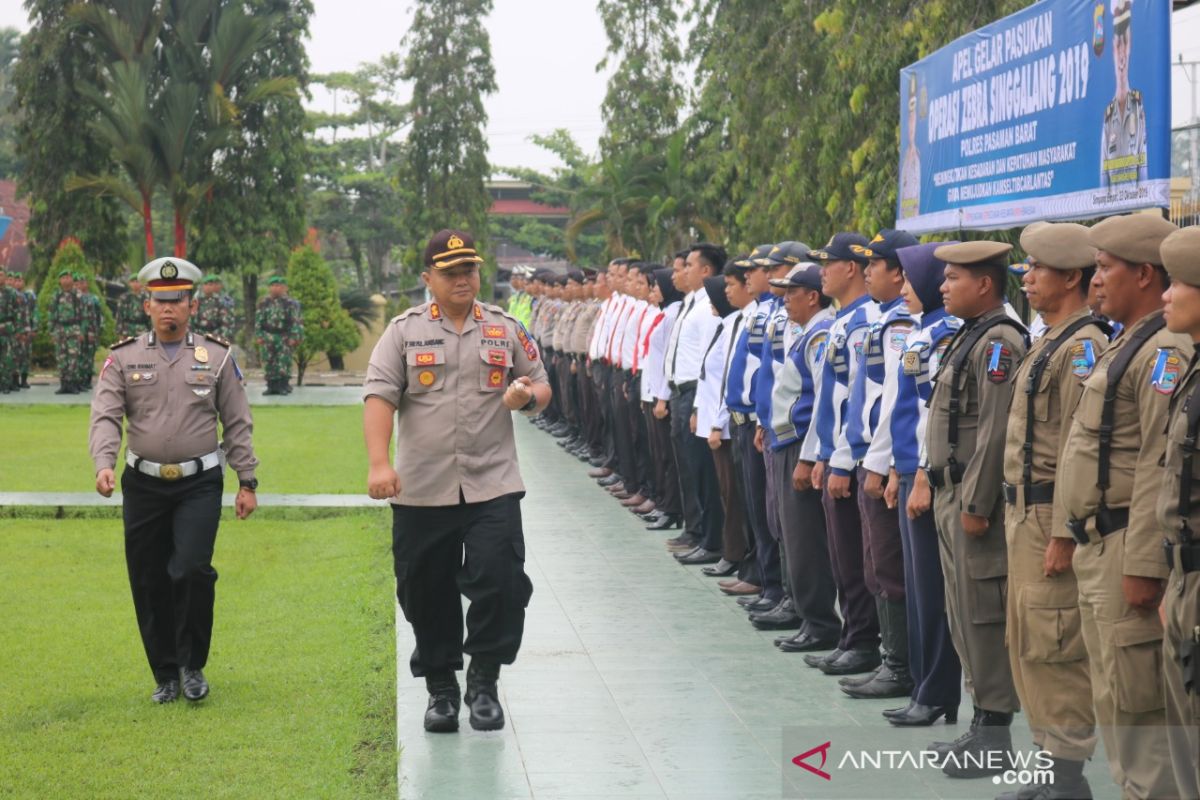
point(173, 472)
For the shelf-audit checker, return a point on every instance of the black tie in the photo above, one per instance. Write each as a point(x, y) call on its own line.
point(708, 350)
point(729, 355)
point(675, 355)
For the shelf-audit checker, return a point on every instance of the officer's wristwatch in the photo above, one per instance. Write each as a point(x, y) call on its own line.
point(251, 484)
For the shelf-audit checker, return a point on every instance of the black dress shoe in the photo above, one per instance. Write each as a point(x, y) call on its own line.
point(665, 522)
point(816, 661)
point(804, 642)
point(699, 556)
point(886, 683)
point(721, 569)
point(859, 680)
point(441, 715)
point(898, 711)
point(745, 600)
point(780, 618)
point(852, 662)
point(194, 686)
point(166, 692)
point(597, 462)
point(609, 480)
point(759, 606)
point(918, 715)
point(482, 697)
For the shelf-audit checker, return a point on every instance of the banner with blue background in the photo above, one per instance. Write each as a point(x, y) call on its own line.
point(1060, 111)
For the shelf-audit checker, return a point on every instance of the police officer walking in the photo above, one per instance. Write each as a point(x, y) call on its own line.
point(1046, 652)
point(171, 386)
point(965, 445)
point(1109, 479)
point(449, 372)
point(1179, 518)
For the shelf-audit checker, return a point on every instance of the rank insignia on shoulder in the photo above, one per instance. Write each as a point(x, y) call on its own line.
point(1083, 358)
point(435, 312)
point(123, 342)
point(478, 311)
point(494, 332)
point(999, 362)
point(912, 362)
point(1167, 368)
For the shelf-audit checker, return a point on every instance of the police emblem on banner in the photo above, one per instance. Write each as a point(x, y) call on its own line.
point(1167, 368)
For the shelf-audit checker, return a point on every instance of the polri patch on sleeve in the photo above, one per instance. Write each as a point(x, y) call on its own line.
point(1083, 358)
point(999, 364)
point(1167, 368)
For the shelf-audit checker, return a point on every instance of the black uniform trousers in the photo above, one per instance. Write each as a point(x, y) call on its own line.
point(754, 480)
point(844, 529)
point(666, 478)
point(702, 512)
point(170, 532)
point(805, 544)
point(444, 552)
point(622, 433)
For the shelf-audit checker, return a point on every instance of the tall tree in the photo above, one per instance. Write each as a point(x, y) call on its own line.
point(254, 214)
point(10, 46)
point(449, 62)
point(52, 66)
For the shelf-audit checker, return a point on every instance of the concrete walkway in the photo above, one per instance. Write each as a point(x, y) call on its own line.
point(639, 679)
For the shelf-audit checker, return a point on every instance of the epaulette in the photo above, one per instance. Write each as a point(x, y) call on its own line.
point(409, 312)
point(1136, 95)
point(123, 342)
point(1109, 110)
point(217, 339)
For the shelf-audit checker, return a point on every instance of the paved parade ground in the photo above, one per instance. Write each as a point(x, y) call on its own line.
point(639, 679)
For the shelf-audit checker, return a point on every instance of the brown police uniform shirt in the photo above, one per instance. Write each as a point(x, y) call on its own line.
point(171, 406)
point(454, 434)
point(1136, 471)
point(1054, 400)
point(1168, 497)
point(985, 389)
point(561, 335)
point(581, 333)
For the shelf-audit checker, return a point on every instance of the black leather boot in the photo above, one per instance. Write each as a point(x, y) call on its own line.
point(989, 753)
point(942, 748)
point(445, 698)
point(1069, 784)
point(482, 698)
point(893, 678)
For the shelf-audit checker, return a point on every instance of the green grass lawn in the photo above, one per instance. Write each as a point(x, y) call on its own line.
point(302, 667)
point(303, 450)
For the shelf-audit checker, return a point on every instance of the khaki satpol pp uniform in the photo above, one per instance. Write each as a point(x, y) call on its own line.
point(966, 455)
point(1109, 480)
point(1046, 650)
point(1179, 520)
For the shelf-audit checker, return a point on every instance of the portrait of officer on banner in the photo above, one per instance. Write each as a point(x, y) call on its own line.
point(1123, 138)
point(910, 166)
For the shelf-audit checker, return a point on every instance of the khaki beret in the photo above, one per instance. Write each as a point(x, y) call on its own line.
point(1181, 255)
point(1132, 237)
point(1059, 245)
point(968, 253)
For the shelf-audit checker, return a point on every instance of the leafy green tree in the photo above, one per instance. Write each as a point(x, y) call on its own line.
point(449, 62)
point(55, 139)
point(254, 213)
point(10, 46)
point(327, 326)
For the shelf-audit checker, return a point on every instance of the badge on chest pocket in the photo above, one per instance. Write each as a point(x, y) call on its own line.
point(426, 369)
point(496, 362)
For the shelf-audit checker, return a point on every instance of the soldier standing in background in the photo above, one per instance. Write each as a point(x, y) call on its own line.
point(11, 323)
point(93, 319)
point(278, 328)
point(1179, 520)
point(131, 318)
point(25, 343)
point(66, 328)
point(214, 310)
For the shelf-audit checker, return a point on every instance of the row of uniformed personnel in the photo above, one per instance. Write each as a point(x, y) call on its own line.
point(1024, 490)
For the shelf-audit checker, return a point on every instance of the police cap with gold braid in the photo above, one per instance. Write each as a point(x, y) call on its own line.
point(450, 248)
point(169, 278)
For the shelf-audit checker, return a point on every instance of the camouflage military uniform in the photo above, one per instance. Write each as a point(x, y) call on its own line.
point(66, 327)
point(25, 348)
point(93, 320)
point(131, 315)
point(278, 328)
point(11, 321)
point(215, 315)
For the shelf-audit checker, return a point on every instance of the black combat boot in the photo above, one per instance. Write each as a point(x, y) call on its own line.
point(893, 678)
point(1069, 784)
point(445, 698)
point(272, 388)
point(24, 380)
point(989, 753)
point(942, 748)
point(481, 697)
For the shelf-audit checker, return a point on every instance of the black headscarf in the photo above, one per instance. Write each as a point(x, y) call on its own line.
point(715, 286)
point(662, 277)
